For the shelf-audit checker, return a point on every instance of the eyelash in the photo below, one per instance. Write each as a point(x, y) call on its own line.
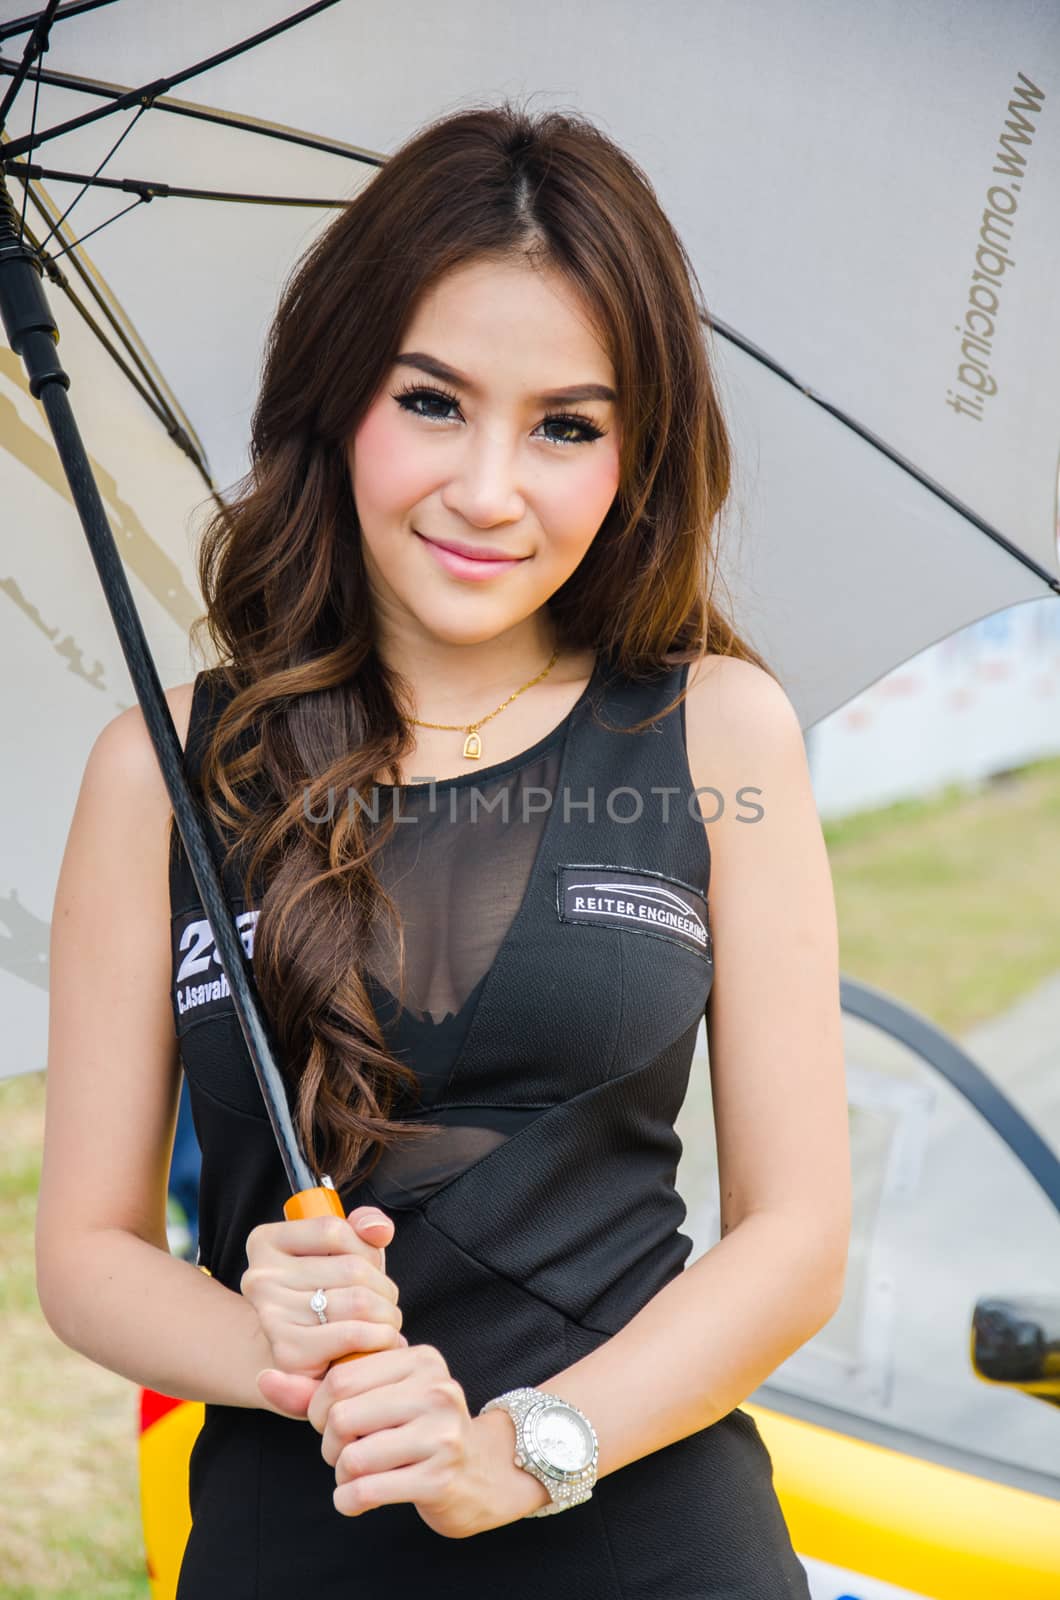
point(574, 419)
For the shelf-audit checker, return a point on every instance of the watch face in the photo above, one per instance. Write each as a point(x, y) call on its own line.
point(562, 1437)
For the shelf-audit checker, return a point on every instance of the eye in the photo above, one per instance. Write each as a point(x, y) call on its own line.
point(410, 396)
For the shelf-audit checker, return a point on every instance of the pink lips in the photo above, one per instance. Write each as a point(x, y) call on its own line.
point(467, 566)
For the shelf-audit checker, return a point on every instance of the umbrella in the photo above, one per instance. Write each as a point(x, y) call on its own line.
point(34, 336)
point(869, 203)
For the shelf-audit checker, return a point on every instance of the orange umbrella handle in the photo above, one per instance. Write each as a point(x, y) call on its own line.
point(319, 1203)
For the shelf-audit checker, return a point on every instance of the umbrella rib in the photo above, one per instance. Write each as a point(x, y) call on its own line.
point(142, 379)
point(88, 181)
point(269, 130)
point(200, 113)
point(66, 249)
point(36, 45)
point(32, 127)
point(148, 92)
point(10, 30)
point(171, 423)
point(25, 171)
point(923, 478)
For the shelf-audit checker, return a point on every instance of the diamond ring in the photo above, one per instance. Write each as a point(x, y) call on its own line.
point(319, 1304)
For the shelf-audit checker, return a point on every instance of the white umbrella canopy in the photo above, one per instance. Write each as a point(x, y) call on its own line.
point(869, 199)
point(61, 662)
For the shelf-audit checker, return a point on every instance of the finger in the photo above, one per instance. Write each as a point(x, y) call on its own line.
point(357, 1377)
point(304, 1274)
point(375, 1226)
point(345, 1303)
point(378, 1411)
point(372, 1222)
point(401, 1436)
point(309, 1352)
point(318, 1236)
point(286, 1393)
point(382, 1489)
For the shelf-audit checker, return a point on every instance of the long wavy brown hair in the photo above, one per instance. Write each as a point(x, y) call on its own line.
point(311, 708)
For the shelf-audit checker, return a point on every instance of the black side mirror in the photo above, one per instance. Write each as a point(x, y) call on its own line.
point(1017, 1342)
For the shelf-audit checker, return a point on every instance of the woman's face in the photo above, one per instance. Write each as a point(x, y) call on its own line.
point(480, 457)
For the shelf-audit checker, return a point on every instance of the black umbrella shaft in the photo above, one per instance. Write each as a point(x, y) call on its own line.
point(33, 335)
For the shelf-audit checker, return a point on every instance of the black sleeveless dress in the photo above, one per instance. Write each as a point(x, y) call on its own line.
point(559, 960)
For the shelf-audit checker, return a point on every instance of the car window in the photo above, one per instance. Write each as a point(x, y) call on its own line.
point(945, 1213)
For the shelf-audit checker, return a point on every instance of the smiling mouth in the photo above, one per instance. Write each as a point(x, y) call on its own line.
point(492, 559)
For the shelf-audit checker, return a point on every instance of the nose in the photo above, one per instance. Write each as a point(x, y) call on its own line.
point(484, 487)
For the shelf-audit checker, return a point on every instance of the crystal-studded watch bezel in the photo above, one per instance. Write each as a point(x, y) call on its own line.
point(566, 1487)
point(558, 1474)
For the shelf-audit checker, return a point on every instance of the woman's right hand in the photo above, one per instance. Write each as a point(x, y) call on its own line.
point(288, 1261)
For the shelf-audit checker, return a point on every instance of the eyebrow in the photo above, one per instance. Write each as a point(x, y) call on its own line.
point(438, 369)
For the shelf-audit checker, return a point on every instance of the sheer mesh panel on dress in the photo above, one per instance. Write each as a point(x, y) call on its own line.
point(457, 865)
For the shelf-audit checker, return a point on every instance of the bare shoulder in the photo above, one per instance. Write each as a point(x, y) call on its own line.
point(117, 847)
point(123, 796)
point(741, 728)
point(729, 695)
point(130, 725)
point(124, 753)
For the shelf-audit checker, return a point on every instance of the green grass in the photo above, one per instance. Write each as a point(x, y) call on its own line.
point(949, 904)
point(103, 1587)
point(70, 1528)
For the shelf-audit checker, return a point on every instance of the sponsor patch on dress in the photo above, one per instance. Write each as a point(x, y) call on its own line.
point(632, 898)
point(200, 988)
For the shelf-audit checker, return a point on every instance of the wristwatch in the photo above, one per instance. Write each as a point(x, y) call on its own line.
point(554, 1442)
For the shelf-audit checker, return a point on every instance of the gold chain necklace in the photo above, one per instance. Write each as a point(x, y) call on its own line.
point(473, 741)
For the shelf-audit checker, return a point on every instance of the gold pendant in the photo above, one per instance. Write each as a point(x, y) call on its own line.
point(473, 745)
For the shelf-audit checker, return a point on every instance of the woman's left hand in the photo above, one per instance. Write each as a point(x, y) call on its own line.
point(395, 1426)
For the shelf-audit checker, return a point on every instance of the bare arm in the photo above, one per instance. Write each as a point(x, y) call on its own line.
point(107, 1284)
point(716, 1331)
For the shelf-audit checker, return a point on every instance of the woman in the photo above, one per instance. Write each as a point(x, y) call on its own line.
point(458, 798)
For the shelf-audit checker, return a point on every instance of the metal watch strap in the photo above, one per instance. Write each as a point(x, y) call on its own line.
point(519, 1403)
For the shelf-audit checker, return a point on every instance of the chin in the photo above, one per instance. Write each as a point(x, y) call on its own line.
point(467, 630)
